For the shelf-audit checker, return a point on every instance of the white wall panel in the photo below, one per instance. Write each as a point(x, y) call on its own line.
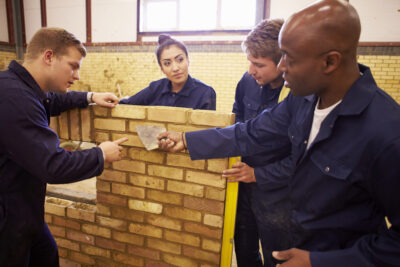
point(285, 8)
point(114, 21)
point(33, 19)
point(70, 15)
point(3, 22)
point(380, 20)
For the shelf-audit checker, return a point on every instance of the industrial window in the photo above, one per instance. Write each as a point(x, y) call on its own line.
point(199, 15)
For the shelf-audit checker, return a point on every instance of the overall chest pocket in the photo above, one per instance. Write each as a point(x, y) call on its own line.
point(251, 108)
point(329, 181)
point(330, 166)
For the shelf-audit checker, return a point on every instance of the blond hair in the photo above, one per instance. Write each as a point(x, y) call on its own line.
point(262, 41)
point(55, 39)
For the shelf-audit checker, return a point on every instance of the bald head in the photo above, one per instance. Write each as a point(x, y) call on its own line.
point(325, 25)
point(319, 50)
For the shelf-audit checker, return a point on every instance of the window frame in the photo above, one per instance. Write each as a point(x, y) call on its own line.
point(264, 13)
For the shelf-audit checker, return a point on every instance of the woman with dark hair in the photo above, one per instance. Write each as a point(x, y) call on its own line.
point(178, 89)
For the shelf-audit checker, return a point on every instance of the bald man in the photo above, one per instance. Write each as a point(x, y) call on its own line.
point(344, 136)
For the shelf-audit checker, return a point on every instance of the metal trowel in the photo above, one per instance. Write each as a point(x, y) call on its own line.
point(148, 135)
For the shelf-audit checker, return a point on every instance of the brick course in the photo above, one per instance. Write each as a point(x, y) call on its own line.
point(153, 208)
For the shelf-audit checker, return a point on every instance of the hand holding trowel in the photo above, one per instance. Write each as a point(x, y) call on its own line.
point(148, 135)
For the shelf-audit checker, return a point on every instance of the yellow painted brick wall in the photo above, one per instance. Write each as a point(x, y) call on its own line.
point(386, 71)
point(102, 71)
point(153, 208)
point(5, 58)
point(134, 71)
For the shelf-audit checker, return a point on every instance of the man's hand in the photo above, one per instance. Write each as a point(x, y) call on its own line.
point(107, 100)
point(293, 258)
point(171, 141)
point(242, 173)
point(112, 149)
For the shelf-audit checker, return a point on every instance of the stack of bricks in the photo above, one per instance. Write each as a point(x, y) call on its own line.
point(153, 208)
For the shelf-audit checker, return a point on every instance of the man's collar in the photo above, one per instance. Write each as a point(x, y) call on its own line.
point(360, 93)
point(25, 76)
point(358, 96)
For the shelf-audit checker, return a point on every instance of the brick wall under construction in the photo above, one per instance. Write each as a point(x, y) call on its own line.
point(153, 208)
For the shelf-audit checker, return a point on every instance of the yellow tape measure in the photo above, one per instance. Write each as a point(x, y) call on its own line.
point(229, 219)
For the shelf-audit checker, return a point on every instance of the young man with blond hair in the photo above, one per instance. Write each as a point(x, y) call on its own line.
point(30, 155)
point(260, 88)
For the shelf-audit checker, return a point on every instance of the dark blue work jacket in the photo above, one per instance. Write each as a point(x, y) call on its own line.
point(30, 155)
point(250, 100)
point(346, 182)
point(194, 94)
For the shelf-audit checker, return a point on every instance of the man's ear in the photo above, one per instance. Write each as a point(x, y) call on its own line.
point(332, 61)
point(48, 56)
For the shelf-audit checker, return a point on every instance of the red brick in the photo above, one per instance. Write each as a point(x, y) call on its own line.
point(62, 252)
point(111, 199)
point(156, 264)
point(202, 204)
point(75, 125)
point(54, 124)
point(127, 190)
point(86, 125)
point(180, 261)
point(65, 243)
point(112, 223)
point(66, 223)
point(202, 230)
point(128, 259)
point(127, 214)
point(95, 251)
point(110, 244)
point(162, 196)
point(81, 237)
point(144, 252)
point(103, 186)
point(113, 176)
point(69, 263)
point(48, 218)
point(164, 246)
point(163, 221)
point(82, 258)
point(201, 254)
point(96, 230)
point(57, 230)
point(63, 124)
point(81, 211)
point(128, 238)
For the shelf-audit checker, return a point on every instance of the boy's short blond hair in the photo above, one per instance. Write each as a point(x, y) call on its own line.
point(262, 41)
point(55, 39)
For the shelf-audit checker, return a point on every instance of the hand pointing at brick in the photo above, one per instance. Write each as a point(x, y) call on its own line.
point(112, 149)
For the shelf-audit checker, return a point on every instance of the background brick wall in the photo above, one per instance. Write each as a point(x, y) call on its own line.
point(222, 69)
point(153, 208)
point(132, 68)
point(386, 71)
point(5, 58)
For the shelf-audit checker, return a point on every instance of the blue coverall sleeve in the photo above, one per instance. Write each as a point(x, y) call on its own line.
point(238, 106)
point(274, 175)
point(209, 100)
point(63, 102)
point(141, 98)
point(381, 249)
point(268, 132)
point(27, 140)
